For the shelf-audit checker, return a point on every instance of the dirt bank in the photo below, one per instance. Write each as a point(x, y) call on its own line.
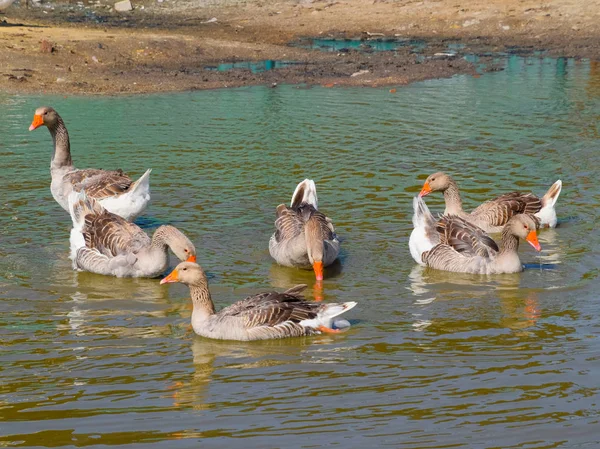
point(167, 46)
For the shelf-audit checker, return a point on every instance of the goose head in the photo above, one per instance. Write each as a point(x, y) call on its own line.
point(181, 246)
point(437, 182)
point(44, 116)
point(172, 237)
point(188, 273)
point(524, 226)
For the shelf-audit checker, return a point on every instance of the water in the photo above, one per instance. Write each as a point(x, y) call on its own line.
point(373, 44)
point(434, 360)
point(253, 66)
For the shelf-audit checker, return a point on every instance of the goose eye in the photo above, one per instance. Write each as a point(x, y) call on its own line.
point(186, 250)
point(184, 269)
point(433, 179)
point(525, 226)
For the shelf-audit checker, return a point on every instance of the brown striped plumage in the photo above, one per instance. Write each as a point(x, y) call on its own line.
point(498, 211)
point(465, 237)
point(290, 223)
point(112, 235)
point(99, 183)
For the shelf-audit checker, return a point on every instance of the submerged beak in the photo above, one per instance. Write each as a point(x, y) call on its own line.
point(192, 258)
point(318, 291)
point(172, 277)
point(318, 267)
point(426, 190)
point(37, 122)
point(533, 241)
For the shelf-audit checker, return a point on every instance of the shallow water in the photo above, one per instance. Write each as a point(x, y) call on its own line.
point(434, 360)
point(253, 66)
point(373, 44)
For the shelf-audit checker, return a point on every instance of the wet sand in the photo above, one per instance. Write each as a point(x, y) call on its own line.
point(91, 49)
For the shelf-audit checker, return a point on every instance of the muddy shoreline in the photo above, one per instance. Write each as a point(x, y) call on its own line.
point(59, 48)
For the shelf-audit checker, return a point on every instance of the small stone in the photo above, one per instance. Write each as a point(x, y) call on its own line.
point(468, 23)
point(359, 73)
point(505, 27)
point(123, 6)
point(95, 59)
point(61, 80)
point(46, 46)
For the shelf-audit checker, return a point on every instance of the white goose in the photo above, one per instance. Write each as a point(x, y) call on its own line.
point(113, 189)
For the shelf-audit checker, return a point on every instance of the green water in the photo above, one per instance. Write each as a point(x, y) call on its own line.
point(434, 360)
point(375, 44)
point(253, 66)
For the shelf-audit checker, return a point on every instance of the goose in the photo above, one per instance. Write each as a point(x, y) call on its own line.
point(304, 237)
point(492, 215)
point(454, 244)
point(263, 316)
point(114, 189)
point(104, 243)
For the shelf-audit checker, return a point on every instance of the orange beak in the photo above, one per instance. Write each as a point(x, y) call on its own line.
point(171, 277)
point(37, 122)
point(426, 190)
point(318, 267)
point(533, 241)
point(192, 258)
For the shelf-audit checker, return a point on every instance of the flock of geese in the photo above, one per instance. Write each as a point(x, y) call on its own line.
point(104, 240)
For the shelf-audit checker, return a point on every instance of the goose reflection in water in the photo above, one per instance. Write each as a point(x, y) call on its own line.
point(99, 303)
point(284, 278)
point(520, 305)
point(210, 356)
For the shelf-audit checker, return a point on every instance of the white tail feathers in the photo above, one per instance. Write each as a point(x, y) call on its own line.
point(142, 183)
point(547, 215)
point(327, 313)
point(422, 217)
point(305, 193)
point(424, 229)
point(330, 311)
point(81, 205)
point(549, 199)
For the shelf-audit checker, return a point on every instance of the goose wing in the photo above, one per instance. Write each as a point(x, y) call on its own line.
point(464, 237)
point(100, 184)
point(273, 308)
point(288, 223)
point(498, 211)
point(112, 235)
